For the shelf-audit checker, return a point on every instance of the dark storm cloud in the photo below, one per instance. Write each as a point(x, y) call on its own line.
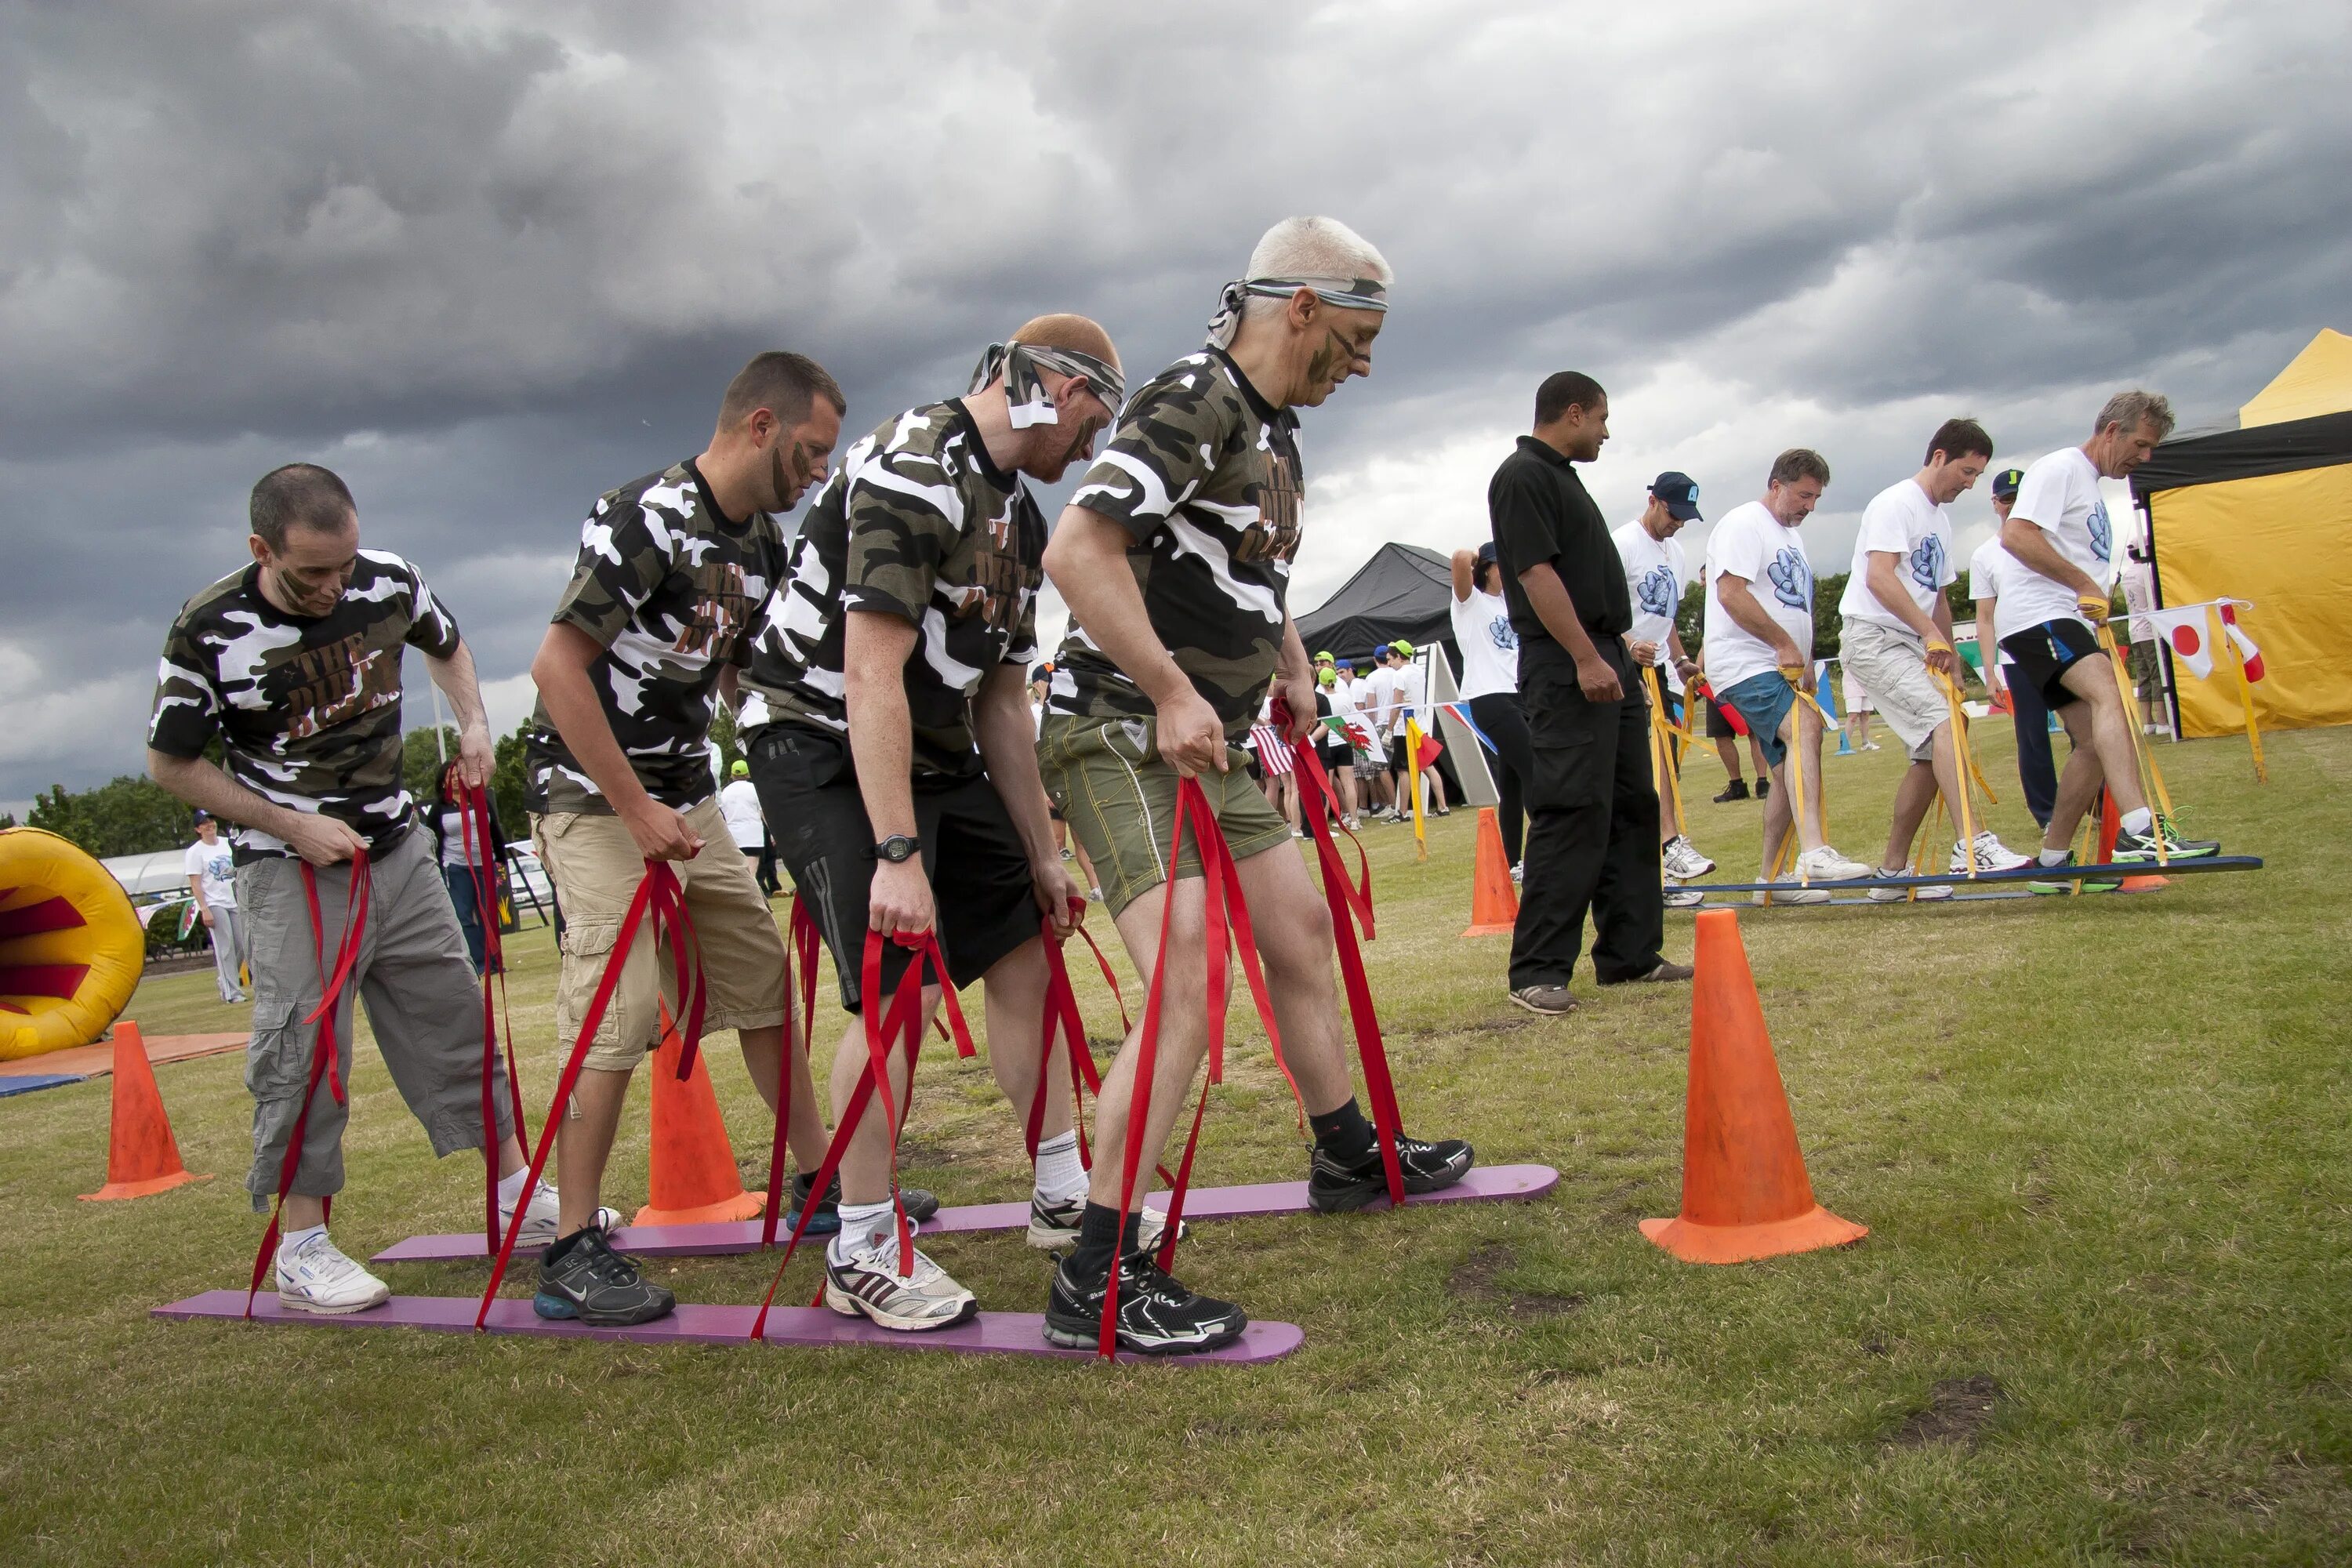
point(490, 260)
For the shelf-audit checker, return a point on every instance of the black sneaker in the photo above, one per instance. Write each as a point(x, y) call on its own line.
point(582, 1278)
point(2133, 846)
point(1735, 790)
point(920, 1206)
point(1335, 1188)
point(2061, 884)
point(1157, 1314)
point(1763, 789)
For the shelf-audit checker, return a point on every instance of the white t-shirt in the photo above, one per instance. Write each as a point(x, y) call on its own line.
point(1380, 695)
point(1900, 520)
point(1412, 687)
point(738, 803)
point(1989, 571)
point(1748, 541)
point(216, 866)
point(2059, 495)
point(453, 839)
point(2139, 598)
point(1656, 570)
point(1490, 649)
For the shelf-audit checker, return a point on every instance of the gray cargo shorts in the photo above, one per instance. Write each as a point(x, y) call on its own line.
point(423, 1004)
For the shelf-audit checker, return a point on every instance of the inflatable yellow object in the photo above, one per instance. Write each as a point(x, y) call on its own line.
point(70, 947)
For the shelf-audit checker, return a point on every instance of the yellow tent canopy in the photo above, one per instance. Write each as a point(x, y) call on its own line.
point(2316, 380)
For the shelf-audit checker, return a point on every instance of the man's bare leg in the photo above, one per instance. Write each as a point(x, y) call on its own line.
point(583, 1142)
point(2079, 782)
point(1922, 782)
point(761, 1049)
point(864, 1170)
point(1183, 1036)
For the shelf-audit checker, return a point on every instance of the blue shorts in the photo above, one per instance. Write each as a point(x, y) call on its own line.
point(1762, 701)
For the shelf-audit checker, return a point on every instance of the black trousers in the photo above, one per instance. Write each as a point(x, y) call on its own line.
point(2036, 770)
point(1503, 720)
point(1592, 826)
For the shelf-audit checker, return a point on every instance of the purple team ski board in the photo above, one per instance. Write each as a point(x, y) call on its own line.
point(1483, 1184)
point(991, 1333)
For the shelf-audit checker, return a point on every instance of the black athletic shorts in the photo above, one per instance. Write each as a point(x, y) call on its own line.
point(1396, 754)
point(2046, 652)
point(1719, 727)
point(985, 902)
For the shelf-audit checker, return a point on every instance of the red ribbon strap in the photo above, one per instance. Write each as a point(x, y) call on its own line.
point(323, 1047)
point(657, 894)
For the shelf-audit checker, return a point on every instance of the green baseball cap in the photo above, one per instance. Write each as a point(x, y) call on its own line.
point(742, 770)
point(1327, 656)
point(1403, 648)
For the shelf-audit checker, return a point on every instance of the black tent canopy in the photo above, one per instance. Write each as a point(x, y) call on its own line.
point(1403, 592)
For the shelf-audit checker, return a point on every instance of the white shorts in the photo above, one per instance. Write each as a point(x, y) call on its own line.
point(1894, 665)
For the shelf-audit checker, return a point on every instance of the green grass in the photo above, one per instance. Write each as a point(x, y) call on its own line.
point(2101, 1146)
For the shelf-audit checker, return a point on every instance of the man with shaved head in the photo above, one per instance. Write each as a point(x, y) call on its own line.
point(1174, 555)
point(888, 724)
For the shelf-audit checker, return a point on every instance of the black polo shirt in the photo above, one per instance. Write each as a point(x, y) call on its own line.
point(1541, 512)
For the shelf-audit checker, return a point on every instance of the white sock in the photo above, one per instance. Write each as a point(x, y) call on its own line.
point(291, 1241)
point(1060, 1177)
point(511, 1187)
point(2054, 857)
point(859, 1224)
point(2138, 821)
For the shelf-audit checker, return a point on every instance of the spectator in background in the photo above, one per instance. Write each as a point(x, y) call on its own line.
point(1654, 573)
point(2037, 773)
point(2139, 598)
point(1331, 746)
point(1378, 702)
point(738, 803)
point(212, 882)
point(1858, 709)
point(460, 855)
point(1490, 687)
point(1412, 706)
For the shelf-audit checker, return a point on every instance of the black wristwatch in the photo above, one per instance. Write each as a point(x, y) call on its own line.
point(897, 848)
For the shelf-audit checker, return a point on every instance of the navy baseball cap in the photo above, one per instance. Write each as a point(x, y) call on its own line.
point(2005, 483)
point(1680, 493)
point(1486, 554)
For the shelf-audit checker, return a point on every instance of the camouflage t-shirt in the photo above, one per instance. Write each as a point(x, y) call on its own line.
point(671, 589)
point(916, 524)
point(1204, 474)
point(307, 709)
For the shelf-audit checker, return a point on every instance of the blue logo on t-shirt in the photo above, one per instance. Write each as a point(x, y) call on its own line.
point(2103, 538)
point(1657, 592)
point(1791, 578)
point(1927, 562)
point(1499, 632)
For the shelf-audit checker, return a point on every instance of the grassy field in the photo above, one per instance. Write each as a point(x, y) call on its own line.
point(2102, 1314)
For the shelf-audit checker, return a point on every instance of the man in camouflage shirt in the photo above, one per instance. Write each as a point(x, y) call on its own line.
point(889, 727)
point(1174, 555)
point(673, 571)
point(293, 664)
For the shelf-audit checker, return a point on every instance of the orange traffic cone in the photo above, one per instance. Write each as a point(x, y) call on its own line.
point(1494, 903)
point(141, 1155)
point(1745, 1191)
point(694, 1180)
point(2111, 824)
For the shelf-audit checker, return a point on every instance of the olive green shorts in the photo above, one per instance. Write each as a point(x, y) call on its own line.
point(1105, 777)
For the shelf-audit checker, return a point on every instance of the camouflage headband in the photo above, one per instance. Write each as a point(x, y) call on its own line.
point(1025, 397)
point(1347, 293)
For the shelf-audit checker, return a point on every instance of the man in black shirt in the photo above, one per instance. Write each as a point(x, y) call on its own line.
point(1592, 810)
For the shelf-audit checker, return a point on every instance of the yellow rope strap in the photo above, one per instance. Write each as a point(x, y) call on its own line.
point(1663, 755)
point(2150, 776)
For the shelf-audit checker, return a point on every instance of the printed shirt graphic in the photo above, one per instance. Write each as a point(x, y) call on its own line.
point(1900, 520)
point(308, 710)
point(1656, 570)
point(1206, 477)
point(2060, 495)
point(1748, 541)
point(215, 865)
point(916, 523)
point(1490, 649)
point(672, 590)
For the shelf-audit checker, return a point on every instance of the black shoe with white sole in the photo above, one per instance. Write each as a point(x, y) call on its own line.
point(1157, 1314)
point(581, 1278)
point(1333, 1187)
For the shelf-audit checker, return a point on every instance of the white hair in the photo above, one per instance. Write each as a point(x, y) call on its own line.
point(1311, 248)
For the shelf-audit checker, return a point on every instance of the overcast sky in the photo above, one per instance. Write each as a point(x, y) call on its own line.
point(488, 260)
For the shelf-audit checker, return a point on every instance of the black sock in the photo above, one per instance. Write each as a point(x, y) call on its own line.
point(1100, 1240)
point(1343, 1134)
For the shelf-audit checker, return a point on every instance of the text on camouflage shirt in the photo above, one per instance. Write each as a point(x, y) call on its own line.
point(308, 710)
point(916, 524)
point(1204, 474)
point(670, 588)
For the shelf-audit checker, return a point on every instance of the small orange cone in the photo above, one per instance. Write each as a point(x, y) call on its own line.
point(1745, 1191)
point(2111, 824)
point(141, 1155)
point(693, 1180)
point(1494, 903)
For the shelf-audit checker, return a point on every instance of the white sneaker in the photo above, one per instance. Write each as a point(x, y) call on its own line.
point(542, 1221)
point(1683, 898)
point(1683, 861)
point(1992, 855)
point(1054, 1227)
point(317, 1278)
point(1826, 864)
point(1518, 878)
point(1351, 824)
point(1883, 895)
point(1790, 893)
point(870, 1285)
